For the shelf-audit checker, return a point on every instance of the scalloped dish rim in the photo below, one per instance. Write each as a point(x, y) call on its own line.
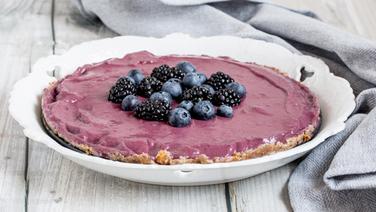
point(43, 66)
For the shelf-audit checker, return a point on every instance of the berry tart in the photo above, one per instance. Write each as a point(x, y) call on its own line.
point(175, 109)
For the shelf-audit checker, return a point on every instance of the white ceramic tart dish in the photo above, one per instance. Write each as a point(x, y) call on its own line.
point(334, 94)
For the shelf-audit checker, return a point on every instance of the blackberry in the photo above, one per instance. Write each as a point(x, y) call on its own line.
point(123, 87)
point(148, 86)
point(196, 94)
point(226, 97)
point(165, 72)
point(219, 80)
point(177, 73)
point(152, 110)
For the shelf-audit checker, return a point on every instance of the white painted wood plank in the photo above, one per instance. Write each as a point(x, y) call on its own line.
point(268, 192)
point(56, 184)
point(60, 185)
point(265, 192)
point(19, 24)
point(12, 141)
point(363, 16)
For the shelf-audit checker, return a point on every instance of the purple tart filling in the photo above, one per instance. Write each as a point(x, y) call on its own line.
point(275, 109)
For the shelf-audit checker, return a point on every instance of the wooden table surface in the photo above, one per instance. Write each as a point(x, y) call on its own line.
point(35, 178)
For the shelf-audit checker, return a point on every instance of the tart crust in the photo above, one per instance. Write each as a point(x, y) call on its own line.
point(164, 157)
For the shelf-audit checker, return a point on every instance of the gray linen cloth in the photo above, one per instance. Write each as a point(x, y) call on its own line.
point(340, 174)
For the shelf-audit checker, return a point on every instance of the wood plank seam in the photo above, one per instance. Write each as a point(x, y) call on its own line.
point(228, 198)
point(53, 26)
point(26, 171)
point(26, 174)
point(27, 151)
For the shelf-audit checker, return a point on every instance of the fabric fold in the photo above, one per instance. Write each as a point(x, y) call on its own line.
point(307, 189)
point(354, 164)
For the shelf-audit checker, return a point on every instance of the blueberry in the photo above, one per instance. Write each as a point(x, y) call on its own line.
point(174, 80)
point(204, 110)
point(129, 103)
point(225, 111)
point(202, 78)
point(238, 88)
point(173, 88)
point(179, 117)
point(210, 88)
point(186, 67)
point(136, 75)
point(192, 79)
point(161, 96)
point(186, 104)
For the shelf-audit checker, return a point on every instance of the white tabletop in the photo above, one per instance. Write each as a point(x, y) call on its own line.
point(34, 178)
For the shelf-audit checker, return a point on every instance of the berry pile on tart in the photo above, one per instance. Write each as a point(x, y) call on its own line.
point(192, 94)
point(174, 109)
